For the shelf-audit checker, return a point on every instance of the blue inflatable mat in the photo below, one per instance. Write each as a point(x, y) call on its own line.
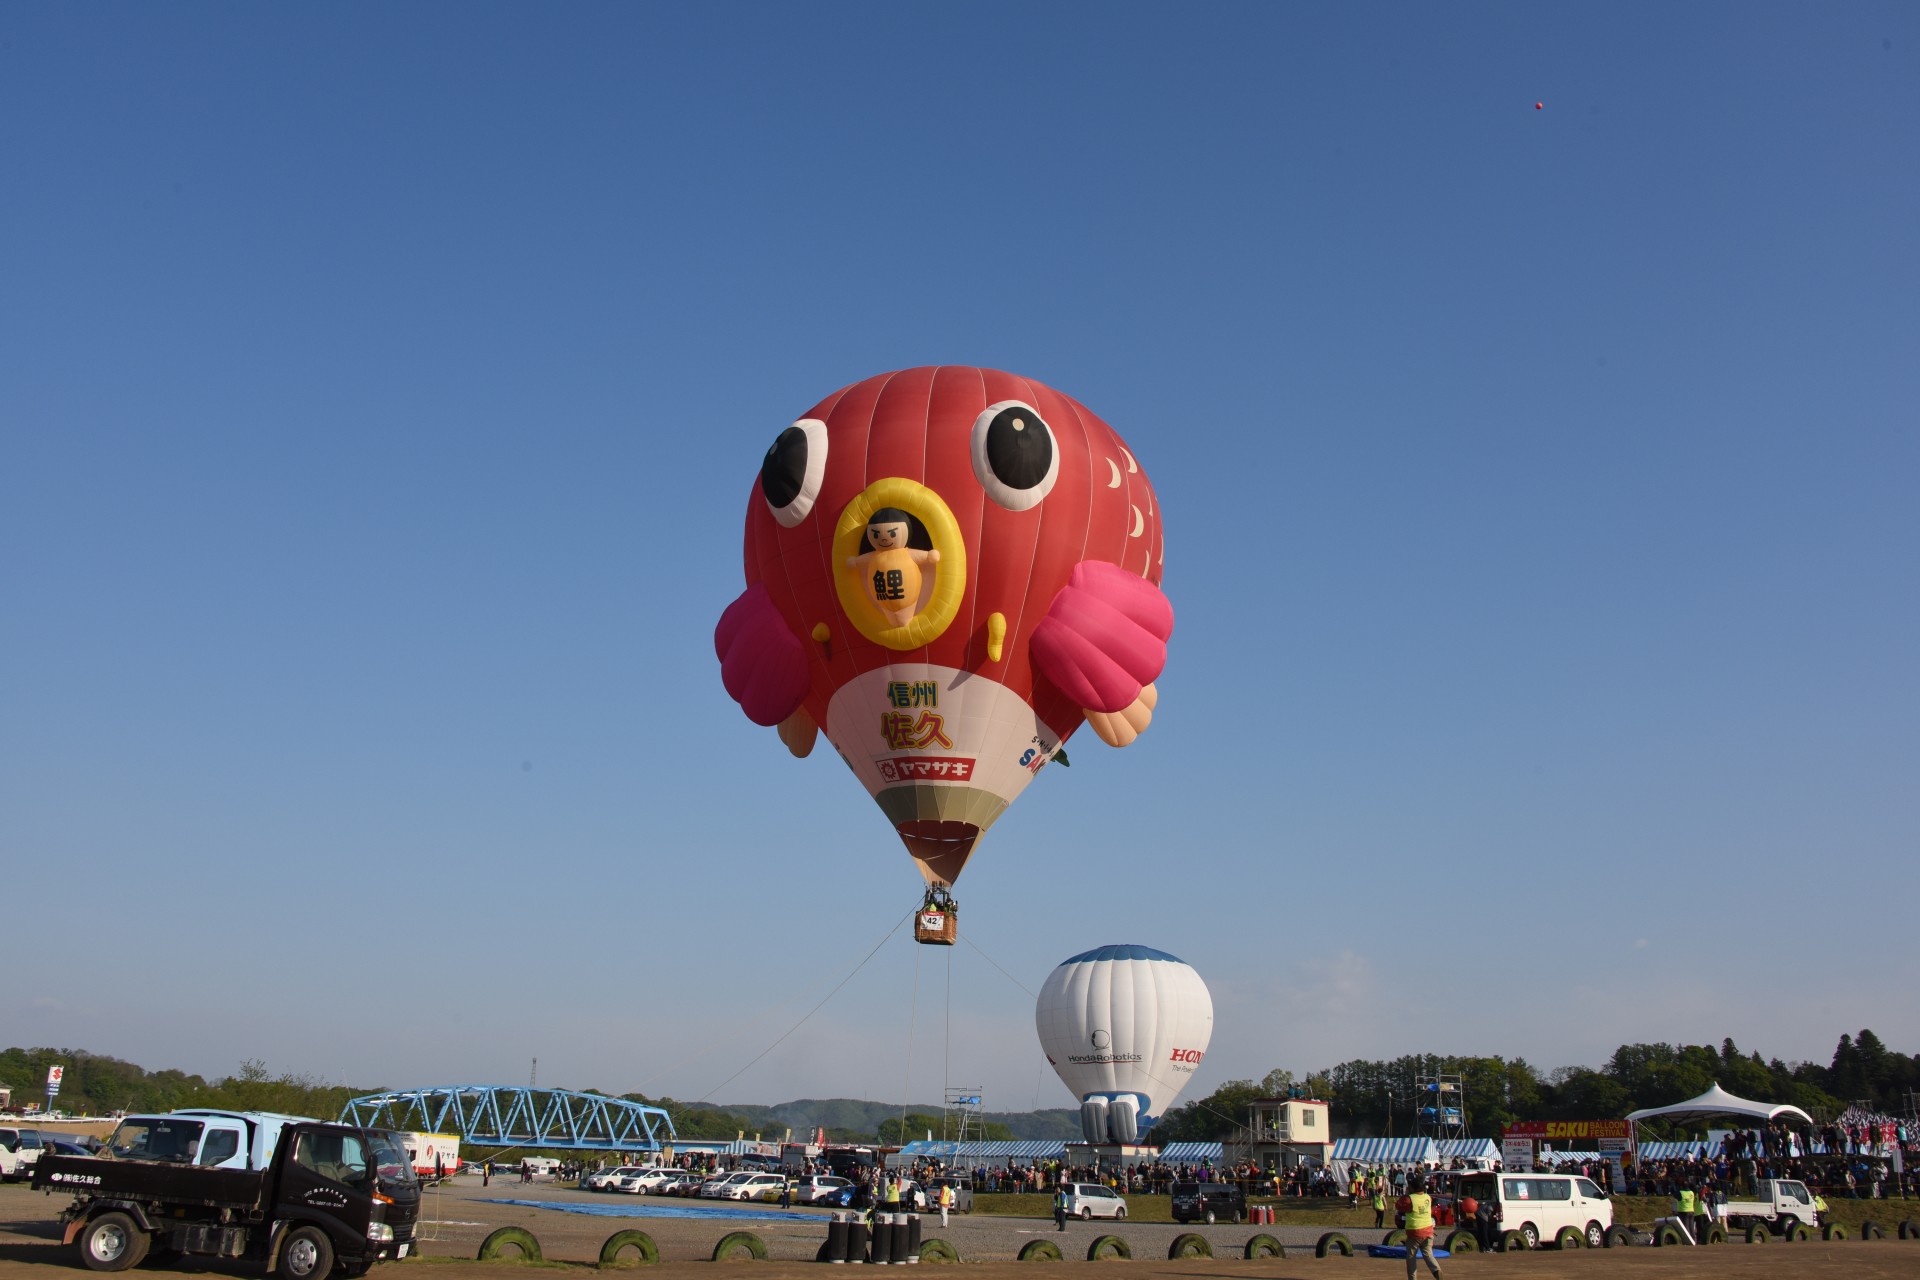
point(1398, 1251)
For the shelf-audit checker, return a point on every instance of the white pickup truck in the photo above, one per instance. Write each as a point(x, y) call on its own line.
point(19, 1148)
point(1778, 1202)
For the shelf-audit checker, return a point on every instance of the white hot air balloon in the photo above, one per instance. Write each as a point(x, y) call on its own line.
point(1125, 1026)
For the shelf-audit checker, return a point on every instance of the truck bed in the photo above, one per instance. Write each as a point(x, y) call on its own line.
point(240, 1189)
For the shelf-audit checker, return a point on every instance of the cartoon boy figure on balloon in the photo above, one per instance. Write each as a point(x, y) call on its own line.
point(890, 571)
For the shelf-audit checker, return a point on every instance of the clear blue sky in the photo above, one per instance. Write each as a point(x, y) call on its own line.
point(381, 389)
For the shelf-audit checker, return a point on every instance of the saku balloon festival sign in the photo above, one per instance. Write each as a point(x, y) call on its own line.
point(948, 571)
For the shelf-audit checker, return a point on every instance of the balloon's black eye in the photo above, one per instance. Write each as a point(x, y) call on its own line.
point(1014, 455)
point(790, 474)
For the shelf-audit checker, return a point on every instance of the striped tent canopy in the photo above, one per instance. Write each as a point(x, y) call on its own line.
point(1191, 1153)
point(1468, 1149)
point(1671, 1150)
point(1386, 1151)
point(989, 1152)
point(1558, 1155)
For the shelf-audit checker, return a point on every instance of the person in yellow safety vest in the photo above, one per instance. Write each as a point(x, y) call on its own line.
point(893, 1194)
point(946, 1201)
point(1379, 1204)
point(1686, 1207)
point(1416, 1215)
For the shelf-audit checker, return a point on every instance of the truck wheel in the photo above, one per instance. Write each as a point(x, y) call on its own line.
point(1189, 1245)
point(639, 1241)
point(305, 1254)
point(113, 1242)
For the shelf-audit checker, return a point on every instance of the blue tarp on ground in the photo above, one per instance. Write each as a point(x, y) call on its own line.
point(660, 1210)
point(1398, 1251)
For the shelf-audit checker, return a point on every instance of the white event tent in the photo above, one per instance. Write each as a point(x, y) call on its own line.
point(1718, 1102)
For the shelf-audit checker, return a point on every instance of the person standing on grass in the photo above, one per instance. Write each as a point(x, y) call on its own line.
point(1416, 1214)
point(1379, 1205)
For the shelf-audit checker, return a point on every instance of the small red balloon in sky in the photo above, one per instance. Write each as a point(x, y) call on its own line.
point(1539, 106)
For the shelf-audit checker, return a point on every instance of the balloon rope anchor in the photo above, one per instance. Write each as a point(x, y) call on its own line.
point(937, 923)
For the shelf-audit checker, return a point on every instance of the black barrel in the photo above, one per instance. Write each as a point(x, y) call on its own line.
point(913, 1238)
point(837, 1239)
point(900, 1239)
point(882, 1243)
point(857, 1239)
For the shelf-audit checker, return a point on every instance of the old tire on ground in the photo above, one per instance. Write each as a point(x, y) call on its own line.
point(1757, 1233)
point(1460, 1240)
point(518, 1239)
point(1870, 1230)
point(305, 1254)
point(1264, 1246)
point(734, 1243)
point(1512, 1242)
point(1795, 1232)
point(1331, 1243)
point(1618, 1237)
point(1037, 1251)
point(1106, 1247)
point(1666, 1235)
point(113, 1242)
point(1716, 1234)
point(1569, 1238)
point(934, 1249)
point(1909, 1230)
point(1833, 1231)
point(620, 1241)
point(1395, 1236)
point(1189, 1245)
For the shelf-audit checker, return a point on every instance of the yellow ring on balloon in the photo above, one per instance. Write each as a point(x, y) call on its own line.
point(949, 575)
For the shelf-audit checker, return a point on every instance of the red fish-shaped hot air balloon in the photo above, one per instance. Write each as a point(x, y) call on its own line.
point(949, 570)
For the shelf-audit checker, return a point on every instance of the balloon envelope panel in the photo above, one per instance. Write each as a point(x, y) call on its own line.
point(1125, 1026)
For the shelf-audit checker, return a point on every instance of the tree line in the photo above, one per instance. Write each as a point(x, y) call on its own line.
point(1374, 1099)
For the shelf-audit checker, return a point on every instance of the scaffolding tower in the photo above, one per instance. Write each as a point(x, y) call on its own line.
point(1440, 1106)
point(962, 1111)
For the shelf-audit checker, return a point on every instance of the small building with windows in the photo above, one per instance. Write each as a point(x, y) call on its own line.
point(1283, 1132)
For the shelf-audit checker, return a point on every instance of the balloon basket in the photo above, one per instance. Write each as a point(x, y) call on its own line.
point(937, 922)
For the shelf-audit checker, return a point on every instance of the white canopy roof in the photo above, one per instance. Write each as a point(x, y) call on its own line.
point(1718, 1102)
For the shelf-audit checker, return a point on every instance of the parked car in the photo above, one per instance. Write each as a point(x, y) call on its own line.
point(600, 1180)
point(683, 1183)
point(835, 1197)
point(650, 1181)
point(753, 1186)
point(715, 1188)
point(1209, 1202)
point(809, 1189)
point(962, 1192)
point(1091, 1200)
point(1542, 1205)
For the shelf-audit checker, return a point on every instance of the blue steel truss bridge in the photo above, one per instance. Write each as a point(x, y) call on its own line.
point(509, 1116)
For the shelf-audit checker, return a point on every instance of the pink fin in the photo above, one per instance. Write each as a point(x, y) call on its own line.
point(762, 663)
point(1104, 636)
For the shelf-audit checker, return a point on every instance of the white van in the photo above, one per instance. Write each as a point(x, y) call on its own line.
point(1542, 1205)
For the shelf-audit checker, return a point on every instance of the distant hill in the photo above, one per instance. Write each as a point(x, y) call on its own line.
point(850, 1115)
